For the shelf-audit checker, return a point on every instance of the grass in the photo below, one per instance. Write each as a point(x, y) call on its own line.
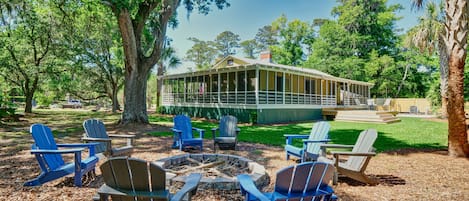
point(409, 133)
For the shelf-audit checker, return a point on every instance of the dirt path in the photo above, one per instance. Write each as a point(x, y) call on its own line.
point(406, 174)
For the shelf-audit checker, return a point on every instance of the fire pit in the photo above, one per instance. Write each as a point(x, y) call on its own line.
point(219, 170)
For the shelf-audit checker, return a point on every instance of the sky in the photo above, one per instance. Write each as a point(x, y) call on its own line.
point(245, 17)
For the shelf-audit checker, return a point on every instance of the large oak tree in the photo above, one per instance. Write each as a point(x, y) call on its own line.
point(143, 25)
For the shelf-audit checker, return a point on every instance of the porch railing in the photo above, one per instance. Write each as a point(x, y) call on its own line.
point(249, 97)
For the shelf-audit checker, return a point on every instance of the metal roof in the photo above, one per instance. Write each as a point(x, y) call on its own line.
point(253, 63)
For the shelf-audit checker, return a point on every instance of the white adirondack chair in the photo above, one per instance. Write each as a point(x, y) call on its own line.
point(355, 166)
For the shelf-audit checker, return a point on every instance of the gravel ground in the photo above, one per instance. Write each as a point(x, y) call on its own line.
point(403, 175)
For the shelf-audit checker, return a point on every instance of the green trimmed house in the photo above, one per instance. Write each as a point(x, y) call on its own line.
point(259, 91)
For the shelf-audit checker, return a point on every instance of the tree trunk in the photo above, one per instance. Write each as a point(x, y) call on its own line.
point(135, 107)
point(28, 108)
point(115, 101)
point(456, 39)
point(159, 84)
point(135, 88)
point(443, 54)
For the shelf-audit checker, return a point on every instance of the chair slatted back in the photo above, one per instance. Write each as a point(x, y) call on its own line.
point(133, 175)
point(183, 123)
point(319, 131)
point(43, 139)
point(95, 128)
point(364, 144)
point(228, 126)
point(303, 179)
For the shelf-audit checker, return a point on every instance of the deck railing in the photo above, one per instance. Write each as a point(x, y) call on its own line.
point(249, 98)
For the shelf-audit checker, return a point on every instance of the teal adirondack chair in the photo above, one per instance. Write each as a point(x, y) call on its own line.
point(183, 136)
point(135, 179)
point(228, 133)
point(311, 149)
point(305, 181)
point(50, 159)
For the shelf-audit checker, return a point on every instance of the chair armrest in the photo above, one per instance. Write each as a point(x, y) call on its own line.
point(306, 142)
point(316, 141)
point(249, 189)
point(96, 139)
point(336, 146)
point(238, 130)
point(176, 130)
point(91, 146)
point(301, 136)
point(214, 132)
point(105, 190)
point(192, 181)
point(290, 137)
point(59, 151)
point(121, 136)
point(201, 131)
point(353, 153)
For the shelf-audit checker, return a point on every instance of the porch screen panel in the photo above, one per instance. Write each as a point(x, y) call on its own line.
point(241, 90)
point(279, 87)
point(307, 90)
point(224, 87)
point(262, 86)
point(295, 89)
point(251, 87)
point(288, 80)
point(271, 87)
point(231, 87)
point(301, 89)
point(214, 89)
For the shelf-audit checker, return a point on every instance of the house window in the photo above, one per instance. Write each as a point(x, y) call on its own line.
point(230, 62)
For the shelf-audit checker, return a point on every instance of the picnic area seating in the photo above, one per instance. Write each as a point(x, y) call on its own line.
point(387, 104)
point(136, 179)
point(305, 181)
point(371, 104)
point(95, 131)
point(357, 102)
point(311, 143)
point(228, 133)
point(50, 158)
point(355, 165)
point(183, 136)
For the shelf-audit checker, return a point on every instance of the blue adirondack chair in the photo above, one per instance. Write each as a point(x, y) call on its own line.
point(135, 179)
point(312, 146)
point(305, 181)
point(183, 136)
point(50, 159)
point(95, 131)
point(228, 135)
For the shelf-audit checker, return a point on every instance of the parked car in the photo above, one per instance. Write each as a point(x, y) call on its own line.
point(73, 104)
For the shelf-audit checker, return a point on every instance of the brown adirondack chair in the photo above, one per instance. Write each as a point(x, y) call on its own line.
point(354, 167)
point(135, 179)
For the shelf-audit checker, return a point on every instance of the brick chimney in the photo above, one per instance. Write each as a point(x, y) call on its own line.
point(266, 56)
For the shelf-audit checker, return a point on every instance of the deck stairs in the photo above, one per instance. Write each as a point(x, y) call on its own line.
point(364, 116)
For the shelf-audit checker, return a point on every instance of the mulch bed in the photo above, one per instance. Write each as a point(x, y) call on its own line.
point(408, 174)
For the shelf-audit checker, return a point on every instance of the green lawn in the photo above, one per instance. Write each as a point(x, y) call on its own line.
point(409, 133)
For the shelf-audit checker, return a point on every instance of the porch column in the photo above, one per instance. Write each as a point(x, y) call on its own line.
point(256, 86)
point(283, 88)
point(219, 87)
point(236, 87)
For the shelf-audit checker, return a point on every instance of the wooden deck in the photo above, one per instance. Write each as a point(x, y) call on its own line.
point(360, 116)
